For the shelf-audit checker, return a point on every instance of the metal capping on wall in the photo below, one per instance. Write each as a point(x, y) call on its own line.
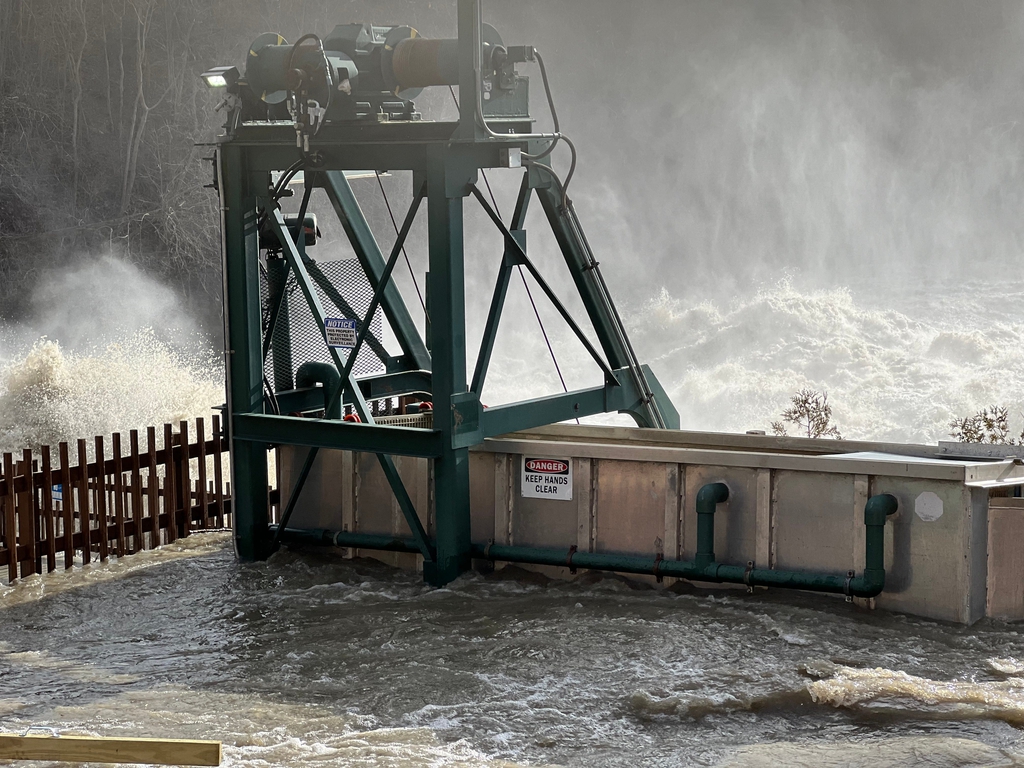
point(785, 511)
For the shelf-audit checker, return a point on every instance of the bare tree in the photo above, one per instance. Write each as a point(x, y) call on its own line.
point(142, 107)
point(989, 425)
point(811, 413)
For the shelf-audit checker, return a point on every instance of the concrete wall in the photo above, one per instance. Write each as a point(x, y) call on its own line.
point(948, 556)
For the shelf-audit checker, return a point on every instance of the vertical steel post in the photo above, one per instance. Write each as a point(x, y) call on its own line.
point(244, 353)
point(448, 352)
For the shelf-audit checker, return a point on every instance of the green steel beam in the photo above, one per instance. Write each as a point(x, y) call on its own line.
point(368, 252)
point(383, 283)
point(469, 69)
point(381, 155)
point(337, 435)
point(483, 357)
point(601, 316)
point(447, 181)
point(514, 417)
point(245, 353)
point(344, 307)
point(395, 384)
point(522, 205)
point(510, 258)
point(276, 275)
point(373, 388)
point(621, 396)
point(513, 244)
point(276, 220)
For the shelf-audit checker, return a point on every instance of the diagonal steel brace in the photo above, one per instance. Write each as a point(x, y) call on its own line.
point(276, 220)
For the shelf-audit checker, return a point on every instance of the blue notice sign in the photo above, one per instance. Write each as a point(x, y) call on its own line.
point(340, 332)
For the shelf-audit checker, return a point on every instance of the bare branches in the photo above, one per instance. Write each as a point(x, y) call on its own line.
point(811, 413)
point(989, 425)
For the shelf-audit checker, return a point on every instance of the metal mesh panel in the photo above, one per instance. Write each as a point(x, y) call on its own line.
point(344, 291)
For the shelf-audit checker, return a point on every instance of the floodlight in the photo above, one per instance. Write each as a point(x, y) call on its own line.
point(221, 77)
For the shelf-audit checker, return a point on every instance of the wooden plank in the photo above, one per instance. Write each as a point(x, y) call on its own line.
point(186, 482)
point(84, 514)
point(10, 521)
point(201, 501)
point(101, 499)
point(119, 492)
point(93, 749)
point(48, 523)
point(67, 505)
point(136, 490)
point(218, 472)
point(153, 488)
point(170, 505)
point(27, 516)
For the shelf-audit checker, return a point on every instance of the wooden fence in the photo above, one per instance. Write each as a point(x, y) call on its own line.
point(134, 500)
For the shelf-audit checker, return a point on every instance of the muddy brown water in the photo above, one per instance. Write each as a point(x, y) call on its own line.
point(312, 660)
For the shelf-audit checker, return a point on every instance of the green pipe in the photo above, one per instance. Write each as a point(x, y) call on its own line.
point(321, 373)
point(708, 499)
point(704, 567)
point(327, 538)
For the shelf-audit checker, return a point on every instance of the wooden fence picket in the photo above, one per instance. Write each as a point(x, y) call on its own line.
point(48, 522)
point(10, 521)
point(47, 509)
point(67, 504)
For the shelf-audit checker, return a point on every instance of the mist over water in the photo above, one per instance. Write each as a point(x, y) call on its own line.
point(781, 194)
point(107, 348)
point(723, 144)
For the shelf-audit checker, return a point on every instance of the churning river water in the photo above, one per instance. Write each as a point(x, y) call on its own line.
point(309, 660)
point(306, 660)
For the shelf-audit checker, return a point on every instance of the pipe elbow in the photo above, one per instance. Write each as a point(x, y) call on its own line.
point(317, 373)
point(869, 584)
point(312, 373)
point(879, 507)
point(711, 494)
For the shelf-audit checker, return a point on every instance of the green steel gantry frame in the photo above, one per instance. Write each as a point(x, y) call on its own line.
point(445, 159)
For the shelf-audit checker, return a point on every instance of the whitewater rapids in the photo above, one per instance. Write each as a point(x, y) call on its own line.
point(306, 660)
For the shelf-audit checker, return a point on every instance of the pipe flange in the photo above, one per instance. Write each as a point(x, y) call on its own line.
point(487, 549)
point(657, 566)
point(746, 577)
point(568, 559)
point(847, 587)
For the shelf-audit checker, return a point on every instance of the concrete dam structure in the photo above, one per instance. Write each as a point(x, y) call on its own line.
point(793, 505)
point(364, 466)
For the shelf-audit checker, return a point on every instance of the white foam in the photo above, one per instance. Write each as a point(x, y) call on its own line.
point(49, 394)
point(896, 366)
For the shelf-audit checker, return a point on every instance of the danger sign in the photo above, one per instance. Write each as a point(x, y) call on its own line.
point(547, 479)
